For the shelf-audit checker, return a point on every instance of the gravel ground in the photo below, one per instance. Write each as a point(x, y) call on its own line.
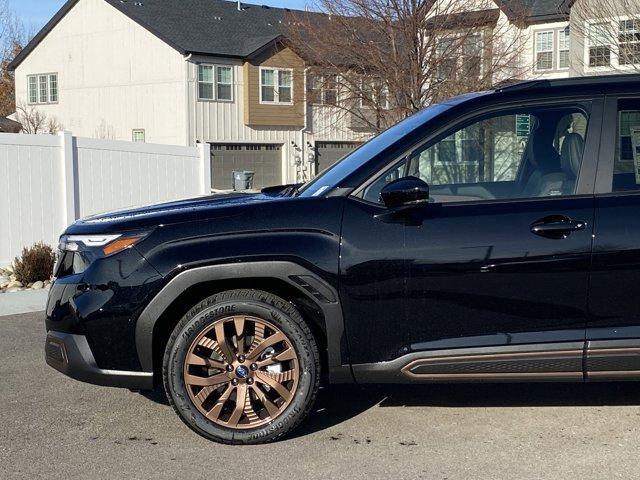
point(55, 427)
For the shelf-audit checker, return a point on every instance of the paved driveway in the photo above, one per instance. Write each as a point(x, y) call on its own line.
point(54, 427)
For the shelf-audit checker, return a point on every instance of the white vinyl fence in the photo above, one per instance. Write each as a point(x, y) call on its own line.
point(48, 182)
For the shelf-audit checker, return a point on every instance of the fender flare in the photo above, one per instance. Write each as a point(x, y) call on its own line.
point(306, 282)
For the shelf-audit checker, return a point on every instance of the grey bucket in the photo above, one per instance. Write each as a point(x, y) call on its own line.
point(243, 180)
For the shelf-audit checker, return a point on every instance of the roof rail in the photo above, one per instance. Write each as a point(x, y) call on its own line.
point(597, 80)
point(526, 85)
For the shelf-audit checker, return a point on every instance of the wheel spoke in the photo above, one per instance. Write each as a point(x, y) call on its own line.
point(214, 413)
point(272, 409)
point(204, 394)
point(266, 343)
point(282, 377)
point(194, 359)
point(287, 354)
point(258, 336)
point(227, 350)
point(241, 393)
point(211, 345)
point(251, 414)
point(193, 380)
point(239, 324)
point(266, 379)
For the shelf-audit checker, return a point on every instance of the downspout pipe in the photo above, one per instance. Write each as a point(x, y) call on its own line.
point(186, 98)
point(303, 159)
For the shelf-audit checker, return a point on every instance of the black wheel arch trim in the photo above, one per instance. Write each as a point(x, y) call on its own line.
point(289, 272)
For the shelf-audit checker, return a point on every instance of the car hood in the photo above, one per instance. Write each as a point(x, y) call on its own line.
point(199, 208)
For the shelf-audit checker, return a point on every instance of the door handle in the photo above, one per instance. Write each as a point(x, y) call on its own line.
point(557, 226)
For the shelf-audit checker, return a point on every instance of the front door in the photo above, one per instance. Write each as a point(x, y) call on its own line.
point(501, 256)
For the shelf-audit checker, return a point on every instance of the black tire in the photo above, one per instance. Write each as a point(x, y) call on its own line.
point(242, 302)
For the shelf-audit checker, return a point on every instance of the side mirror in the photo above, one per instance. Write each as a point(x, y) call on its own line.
point(405, 192)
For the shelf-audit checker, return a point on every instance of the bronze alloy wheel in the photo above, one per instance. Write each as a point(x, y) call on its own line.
point(241, 372)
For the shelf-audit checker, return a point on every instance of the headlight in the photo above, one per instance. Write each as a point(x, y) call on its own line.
point(77, 252)
point(108, 244)
point(73, 243)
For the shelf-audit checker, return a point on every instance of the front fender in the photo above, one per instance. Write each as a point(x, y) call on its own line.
point(308, 283)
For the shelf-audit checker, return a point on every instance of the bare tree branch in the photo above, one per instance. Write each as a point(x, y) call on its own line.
point(35, 121)
point(375, 62)
point(13, 37)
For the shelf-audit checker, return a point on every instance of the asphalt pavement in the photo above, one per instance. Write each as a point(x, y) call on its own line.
point(55, 427)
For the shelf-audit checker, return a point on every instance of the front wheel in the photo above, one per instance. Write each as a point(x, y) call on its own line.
point(242, 367)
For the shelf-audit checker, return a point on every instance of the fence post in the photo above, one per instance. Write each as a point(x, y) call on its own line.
point(69, 175)
point(204, 154)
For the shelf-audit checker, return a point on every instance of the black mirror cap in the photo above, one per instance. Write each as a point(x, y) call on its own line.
point(405, 192)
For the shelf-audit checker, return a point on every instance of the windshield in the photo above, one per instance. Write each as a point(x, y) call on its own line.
point(333, 176)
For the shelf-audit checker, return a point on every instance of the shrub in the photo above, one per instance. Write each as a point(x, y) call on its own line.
point(35, 264)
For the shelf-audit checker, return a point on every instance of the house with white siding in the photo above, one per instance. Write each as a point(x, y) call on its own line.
point(213, 71)
point(566, 38)
point(183, 72)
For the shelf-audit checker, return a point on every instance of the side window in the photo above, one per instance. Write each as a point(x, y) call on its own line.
point(521, 154)
point(626, 166)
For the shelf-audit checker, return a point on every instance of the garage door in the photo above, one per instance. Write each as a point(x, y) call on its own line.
point(328, 153)
point(264, 160)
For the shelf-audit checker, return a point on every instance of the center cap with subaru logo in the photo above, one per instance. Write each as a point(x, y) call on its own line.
point(242, 371)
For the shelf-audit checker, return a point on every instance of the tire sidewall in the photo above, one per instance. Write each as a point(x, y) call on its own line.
point(204, 318)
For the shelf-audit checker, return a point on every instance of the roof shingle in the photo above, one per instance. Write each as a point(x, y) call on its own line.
point(207, 26)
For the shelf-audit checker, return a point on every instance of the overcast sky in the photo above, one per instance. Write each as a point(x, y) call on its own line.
point(35, 13)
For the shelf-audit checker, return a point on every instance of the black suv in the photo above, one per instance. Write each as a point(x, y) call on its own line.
point(492, 237)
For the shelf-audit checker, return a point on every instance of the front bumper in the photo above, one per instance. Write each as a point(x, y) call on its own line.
point(71, 355)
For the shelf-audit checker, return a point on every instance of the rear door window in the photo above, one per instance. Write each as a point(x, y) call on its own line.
point(626, 165)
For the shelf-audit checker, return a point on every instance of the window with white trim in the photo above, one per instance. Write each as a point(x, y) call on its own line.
point(374, 94)
point(472, 56)
point(224, 84)
point(367, 93)
point(215, 82)
point(459, 57)
point(33, 89)
point(138, 135)
point(43, 88)
point(599, 45)
point(447, 65)
point(564, 44)
point(276, 85)
point(629, 42)
point(324, 90)
point(544, 50)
